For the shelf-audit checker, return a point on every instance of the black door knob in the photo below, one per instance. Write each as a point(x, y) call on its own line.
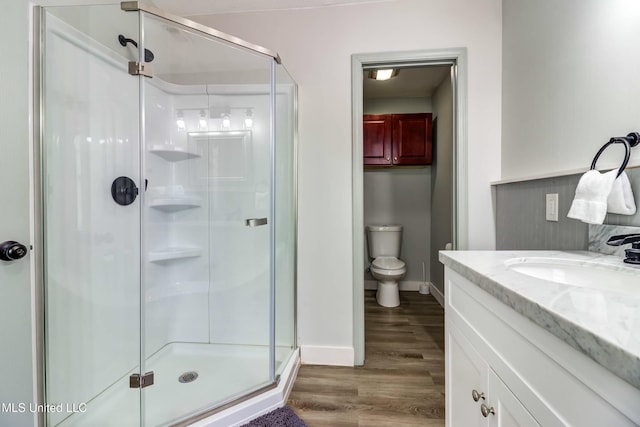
point(11, 251)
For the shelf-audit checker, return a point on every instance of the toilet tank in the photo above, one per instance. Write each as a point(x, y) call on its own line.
point(384, 240)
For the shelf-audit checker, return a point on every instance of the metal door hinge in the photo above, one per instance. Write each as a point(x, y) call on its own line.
point(141, 381)
point(140, 69)
point(129, 6)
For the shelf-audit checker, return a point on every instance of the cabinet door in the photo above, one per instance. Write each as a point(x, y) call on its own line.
point(376, 139)
point(412, 139)
point(466, 371)
point(508, 411)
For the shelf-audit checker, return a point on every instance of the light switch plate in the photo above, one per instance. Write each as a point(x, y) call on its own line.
point(552, 207)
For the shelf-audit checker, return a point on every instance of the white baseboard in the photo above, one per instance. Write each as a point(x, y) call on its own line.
point(248, 410)
point(407, 285)
point(322, 355)
point(439, 296)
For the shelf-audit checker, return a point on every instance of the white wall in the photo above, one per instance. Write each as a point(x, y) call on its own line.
point(316, 46)
point(570, 82)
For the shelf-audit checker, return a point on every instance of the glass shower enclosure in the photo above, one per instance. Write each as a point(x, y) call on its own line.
point(168, 213)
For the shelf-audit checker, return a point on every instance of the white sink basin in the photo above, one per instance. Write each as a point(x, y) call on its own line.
point(587, 274)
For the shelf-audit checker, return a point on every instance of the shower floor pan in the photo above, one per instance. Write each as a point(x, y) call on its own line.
point(223, 371)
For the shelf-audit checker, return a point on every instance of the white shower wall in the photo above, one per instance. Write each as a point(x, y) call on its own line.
point(218, 296)
point(176, 290)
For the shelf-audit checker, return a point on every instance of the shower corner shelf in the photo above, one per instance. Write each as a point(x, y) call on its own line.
point(175, 204)
point(173, 253)
point(172, 153)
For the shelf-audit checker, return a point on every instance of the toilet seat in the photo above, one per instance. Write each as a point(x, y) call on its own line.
point(388, 263)
point(388, 270)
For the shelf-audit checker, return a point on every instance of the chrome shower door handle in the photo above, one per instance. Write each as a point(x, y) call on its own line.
point(255, 222)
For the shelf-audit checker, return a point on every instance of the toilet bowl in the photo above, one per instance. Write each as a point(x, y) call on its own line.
point(388, 271)
point(384, 249)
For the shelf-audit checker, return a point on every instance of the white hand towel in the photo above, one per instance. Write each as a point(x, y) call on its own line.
point(590, 202)
point(621, 199)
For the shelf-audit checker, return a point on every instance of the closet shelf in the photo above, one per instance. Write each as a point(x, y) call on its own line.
point(173, 253)
point(172, 154)
point(174, 204)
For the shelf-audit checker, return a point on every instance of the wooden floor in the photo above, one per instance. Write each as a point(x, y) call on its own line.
point(402, 381)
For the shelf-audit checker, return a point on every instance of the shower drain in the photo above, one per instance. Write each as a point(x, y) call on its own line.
point(188, 377)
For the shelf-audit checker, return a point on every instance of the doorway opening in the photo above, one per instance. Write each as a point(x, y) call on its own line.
point(439, 75)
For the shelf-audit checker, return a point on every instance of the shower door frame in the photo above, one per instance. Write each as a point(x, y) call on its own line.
point(38, 271)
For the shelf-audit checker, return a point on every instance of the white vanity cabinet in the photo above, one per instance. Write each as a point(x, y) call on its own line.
point(476, 396)
point(523, 374)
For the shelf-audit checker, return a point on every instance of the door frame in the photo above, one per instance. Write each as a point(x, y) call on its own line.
point(457, 58)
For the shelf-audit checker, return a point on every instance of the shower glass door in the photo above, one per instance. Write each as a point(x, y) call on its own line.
point(207, 223)
point(90, 172)
point(159, 217)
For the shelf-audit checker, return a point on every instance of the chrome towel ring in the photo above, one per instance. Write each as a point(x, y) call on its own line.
point(631, 140)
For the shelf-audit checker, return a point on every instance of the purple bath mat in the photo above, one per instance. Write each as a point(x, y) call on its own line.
point(281, 417)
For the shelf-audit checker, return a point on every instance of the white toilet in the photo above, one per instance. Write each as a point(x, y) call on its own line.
point(384, 248)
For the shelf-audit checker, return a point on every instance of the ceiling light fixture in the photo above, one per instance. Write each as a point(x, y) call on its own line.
point(384, 74)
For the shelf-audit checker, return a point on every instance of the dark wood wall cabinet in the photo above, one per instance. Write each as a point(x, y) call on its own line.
point(397, 139)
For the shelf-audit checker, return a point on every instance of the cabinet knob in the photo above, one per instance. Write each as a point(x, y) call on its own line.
point(487, 410)
point(476, 395)
point(387, 158)
point(395, 159)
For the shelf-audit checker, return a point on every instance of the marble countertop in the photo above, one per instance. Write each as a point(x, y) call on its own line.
point(602, 322)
